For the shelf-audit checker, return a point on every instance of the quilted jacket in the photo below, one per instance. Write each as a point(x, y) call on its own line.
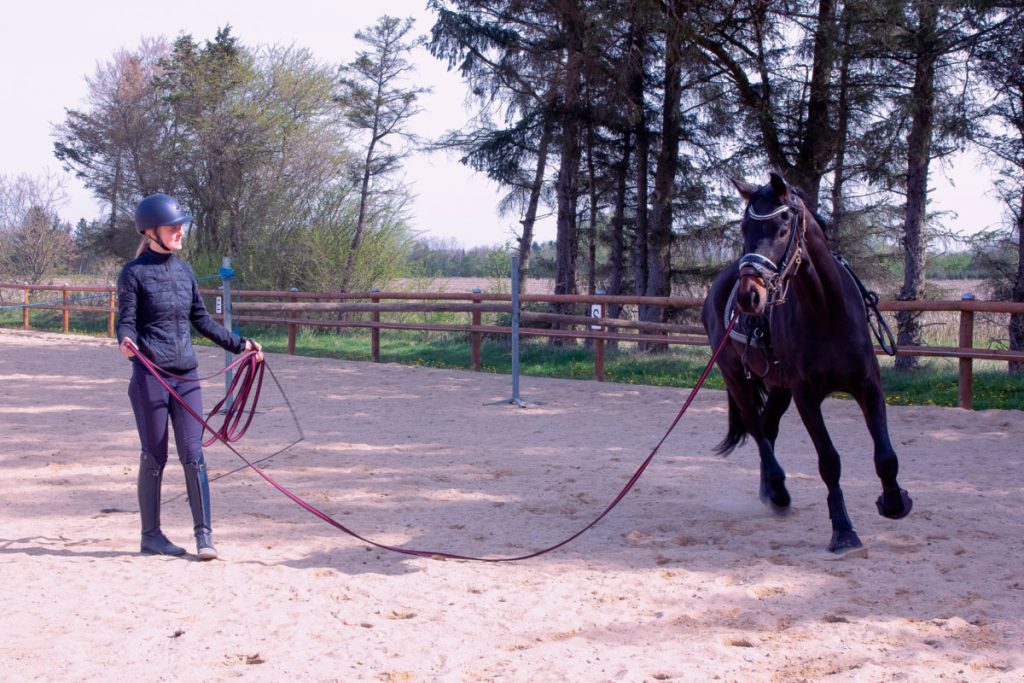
point(159, 300)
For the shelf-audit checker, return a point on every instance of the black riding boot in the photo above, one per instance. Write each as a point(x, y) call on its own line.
point(150, 478)
point(197, 484)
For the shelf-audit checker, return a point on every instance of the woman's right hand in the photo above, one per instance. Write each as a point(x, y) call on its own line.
point(253, 345)
point(126, 346)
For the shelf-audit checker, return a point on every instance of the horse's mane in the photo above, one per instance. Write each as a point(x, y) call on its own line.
point(825, 224)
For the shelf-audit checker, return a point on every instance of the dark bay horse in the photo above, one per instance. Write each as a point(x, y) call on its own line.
point(804, 335)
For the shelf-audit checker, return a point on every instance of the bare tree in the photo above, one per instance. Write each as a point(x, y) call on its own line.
point(379, 101)
point(118, 145)
point(34, 242)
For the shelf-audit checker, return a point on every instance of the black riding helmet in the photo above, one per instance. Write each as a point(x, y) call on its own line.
point(159, 209)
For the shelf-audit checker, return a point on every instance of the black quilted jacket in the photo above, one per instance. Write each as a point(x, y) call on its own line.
point(158, 299)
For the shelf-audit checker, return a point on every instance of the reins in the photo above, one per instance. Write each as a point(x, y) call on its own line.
point(228, 435)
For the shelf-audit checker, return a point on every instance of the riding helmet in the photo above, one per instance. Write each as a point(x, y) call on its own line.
point(159, 209)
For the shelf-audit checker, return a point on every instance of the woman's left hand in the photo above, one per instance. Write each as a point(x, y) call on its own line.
point(253, 345)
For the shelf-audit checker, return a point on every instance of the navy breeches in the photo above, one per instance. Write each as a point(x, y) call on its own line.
point(153, 406)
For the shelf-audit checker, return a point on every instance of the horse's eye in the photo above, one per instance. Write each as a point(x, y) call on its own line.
point(784, 216)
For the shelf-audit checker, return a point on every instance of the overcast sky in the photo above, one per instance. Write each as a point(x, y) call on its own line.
point(48, 47)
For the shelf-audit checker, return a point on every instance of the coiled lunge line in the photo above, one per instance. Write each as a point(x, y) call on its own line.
point(227, 435)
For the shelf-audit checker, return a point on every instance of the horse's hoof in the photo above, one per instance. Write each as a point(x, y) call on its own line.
point(859, 553)
point(888, 508)
point(779, 510)
point(844, 543)
point(775, 496)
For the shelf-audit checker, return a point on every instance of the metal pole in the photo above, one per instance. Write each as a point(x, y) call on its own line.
point(226, 274)
point(515, 330)
point(515, 400)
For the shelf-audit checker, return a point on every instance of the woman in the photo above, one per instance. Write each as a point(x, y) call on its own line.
point(158, 299)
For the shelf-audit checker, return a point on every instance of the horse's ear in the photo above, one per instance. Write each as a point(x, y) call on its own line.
point(779, 186)
point(745, 189)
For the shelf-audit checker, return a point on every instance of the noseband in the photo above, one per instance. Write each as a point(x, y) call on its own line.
point(776, 276)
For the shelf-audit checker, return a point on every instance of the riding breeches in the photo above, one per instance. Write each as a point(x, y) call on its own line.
point(153, 405)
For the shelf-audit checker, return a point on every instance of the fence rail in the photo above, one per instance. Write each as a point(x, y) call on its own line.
point(293, 309)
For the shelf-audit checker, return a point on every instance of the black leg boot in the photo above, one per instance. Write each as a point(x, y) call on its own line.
point(150, 478)
point(197, 484)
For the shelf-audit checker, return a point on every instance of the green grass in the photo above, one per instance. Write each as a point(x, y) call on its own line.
point(934, 383)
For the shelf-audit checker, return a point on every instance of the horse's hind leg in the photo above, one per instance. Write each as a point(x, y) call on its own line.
point(894, 502)
point(755, 412)
point(844, 538)
point(773, 479)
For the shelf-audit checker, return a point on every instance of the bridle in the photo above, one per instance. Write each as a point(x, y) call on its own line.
point(776, 277)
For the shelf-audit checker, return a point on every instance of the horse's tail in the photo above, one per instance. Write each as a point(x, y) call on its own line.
point(737, 433)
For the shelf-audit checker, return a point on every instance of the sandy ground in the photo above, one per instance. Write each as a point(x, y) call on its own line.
point(689, 579)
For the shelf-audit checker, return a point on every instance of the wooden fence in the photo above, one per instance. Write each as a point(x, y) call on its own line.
point(365, 310)
point(68, 304)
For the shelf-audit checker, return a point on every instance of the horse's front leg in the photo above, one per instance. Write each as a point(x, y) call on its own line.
point(894, 503)
point(844, 538)
point(773, 478)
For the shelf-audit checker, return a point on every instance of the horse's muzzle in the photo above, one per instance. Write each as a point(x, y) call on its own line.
point(752, 293)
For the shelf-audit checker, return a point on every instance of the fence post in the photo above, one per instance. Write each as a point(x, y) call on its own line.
point(965, 381)
point(474, 337)
point(375, 331)
point(24, 312)
point(66, 313)
point(292, 326)
point(599, 310)
point(111, 311)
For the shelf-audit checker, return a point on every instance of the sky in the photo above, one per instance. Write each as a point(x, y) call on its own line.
point(47, 48)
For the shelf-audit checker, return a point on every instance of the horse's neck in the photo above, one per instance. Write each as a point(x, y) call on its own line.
point(817, 284)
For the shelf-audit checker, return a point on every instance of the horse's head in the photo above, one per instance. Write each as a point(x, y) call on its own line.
point(774, 223)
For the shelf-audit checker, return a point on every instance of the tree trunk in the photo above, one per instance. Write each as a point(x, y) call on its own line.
point(636, 114)
point(835, 227)
point(364, 195)
point(592, 227)
point(1017, 292)
point(659, 261)
point(526, 240)
point(567, 184)
point(918, 156)
point(618, 238)
point(643, 151)
point(818, 145)
point(114, 193)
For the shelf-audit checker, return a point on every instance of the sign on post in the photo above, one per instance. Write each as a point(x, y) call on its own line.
point(595, 312)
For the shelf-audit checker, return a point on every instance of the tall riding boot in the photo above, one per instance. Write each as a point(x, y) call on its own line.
point(150, 478)
point(197, 484)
